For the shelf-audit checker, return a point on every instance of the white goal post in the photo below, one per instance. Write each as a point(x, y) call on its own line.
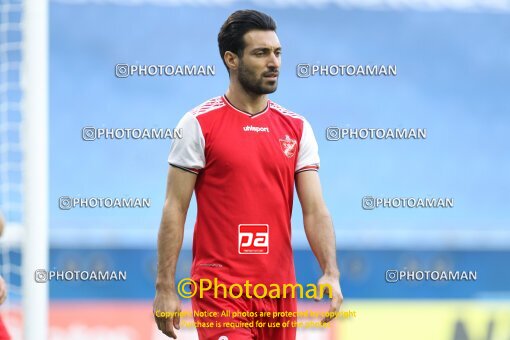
point(34, 84)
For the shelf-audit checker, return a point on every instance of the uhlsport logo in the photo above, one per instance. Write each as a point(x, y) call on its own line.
point(253, 239)
point(288, 146)
point(256, 128)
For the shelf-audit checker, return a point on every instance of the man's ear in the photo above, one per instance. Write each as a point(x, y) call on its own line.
point(232, 60)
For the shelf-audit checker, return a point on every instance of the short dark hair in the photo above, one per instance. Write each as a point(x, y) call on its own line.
point(237, 25)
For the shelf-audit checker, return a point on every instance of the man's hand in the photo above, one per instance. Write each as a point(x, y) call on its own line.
point(2, 224)
point(336, 295)
point(167, 302)
point(3, 290)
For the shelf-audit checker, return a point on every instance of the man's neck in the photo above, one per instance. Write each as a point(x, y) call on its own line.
point(244, 101)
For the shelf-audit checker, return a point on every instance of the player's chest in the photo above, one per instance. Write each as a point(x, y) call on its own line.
point(253, 143)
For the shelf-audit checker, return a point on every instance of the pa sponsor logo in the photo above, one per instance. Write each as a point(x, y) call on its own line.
point(253, 239)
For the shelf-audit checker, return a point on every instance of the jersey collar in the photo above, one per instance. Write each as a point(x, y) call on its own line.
point(251, 115)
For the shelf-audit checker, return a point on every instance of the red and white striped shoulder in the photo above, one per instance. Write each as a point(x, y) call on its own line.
point(284, 111)
point(208, 106)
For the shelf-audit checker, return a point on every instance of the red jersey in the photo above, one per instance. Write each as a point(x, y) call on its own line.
point(245, 187)
point(4, 335)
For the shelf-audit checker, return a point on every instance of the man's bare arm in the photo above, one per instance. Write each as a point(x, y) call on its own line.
point(320, 233)
point(180, 185)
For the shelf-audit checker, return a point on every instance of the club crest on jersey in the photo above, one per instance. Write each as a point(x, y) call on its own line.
point(288, 146)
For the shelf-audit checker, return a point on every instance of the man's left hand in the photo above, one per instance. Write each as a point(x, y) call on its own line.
point(337, 298)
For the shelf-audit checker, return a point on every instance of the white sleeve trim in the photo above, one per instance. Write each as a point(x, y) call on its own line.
point(308, 156)
point(188, 151)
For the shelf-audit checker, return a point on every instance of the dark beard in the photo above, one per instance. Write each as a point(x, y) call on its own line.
point(251, 84)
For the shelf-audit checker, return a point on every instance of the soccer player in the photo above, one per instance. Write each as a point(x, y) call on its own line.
point(4, 335)
point(243, 154)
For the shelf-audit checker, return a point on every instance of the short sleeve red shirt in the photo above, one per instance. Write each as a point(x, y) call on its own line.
point(246, 165)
